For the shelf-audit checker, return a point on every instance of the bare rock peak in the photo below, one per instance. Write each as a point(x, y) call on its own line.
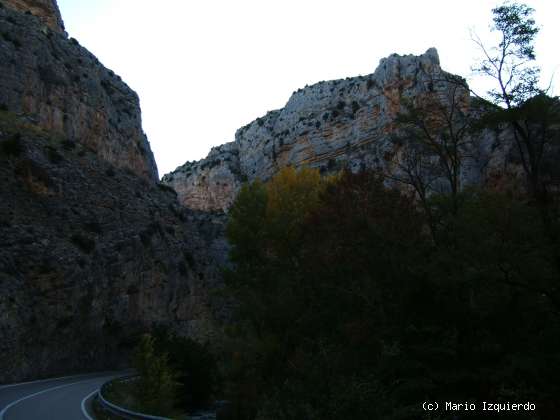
point(431, 55)
point(326, 125)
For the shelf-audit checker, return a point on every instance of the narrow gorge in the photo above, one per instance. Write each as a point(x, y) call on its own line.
point(94, 248)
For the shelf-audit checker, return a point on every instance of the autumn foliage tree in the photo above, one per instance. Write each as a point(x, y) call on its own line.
point(352, 311)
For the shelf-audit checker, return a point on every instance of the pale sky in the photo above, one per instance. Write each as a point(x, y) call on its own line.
point(204, 68)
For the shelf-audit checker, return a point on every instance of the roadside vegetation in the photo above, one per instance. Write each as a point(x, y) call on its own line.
point(354, 311)
point(175, 376)
point(356, 301)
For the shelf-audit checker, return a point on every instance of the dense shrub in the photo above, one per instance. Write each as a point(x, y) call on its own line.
point(349, 309)
point(194, 367)
point(155, 390)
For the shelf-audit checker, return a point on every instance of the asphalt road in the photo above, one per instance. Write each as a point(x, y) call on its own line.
point(65, 398)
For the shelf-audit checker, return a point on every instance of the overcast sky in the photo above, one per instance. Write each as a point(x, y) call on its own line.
point(204, 68)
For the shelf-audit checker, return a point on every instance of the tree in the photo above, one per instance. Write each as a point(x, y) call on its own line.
point(246, 220)
point(433, 140)
point(366, 318)
point(265, 219)
point(265, 233)
point(292, 194)
point(511, 64)
point(155, 390)
point(331, 251)
point(194, 367)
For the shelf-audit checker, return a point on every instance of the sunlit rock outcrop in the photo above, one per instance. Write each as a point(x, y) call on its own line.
point(329, 125)
point(63, 88)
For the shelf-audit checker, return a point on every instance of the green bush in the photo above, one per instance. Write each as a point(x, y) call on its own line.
point(194, 366)
point(155, 390)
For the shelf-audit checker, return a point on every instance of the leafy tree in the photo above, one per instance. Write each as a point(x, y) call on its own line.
point(339, 248)
point(291, 195)
point(156, 388)
point(269, 215)
point(520, 103)
point(194, 367)
point(369, 317)
point(510, 63)
point(245, 229)
point(532, 117)
point(265, 232)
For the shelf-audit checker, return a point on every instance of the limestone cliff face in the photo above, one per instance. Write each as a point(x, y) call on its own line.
point(329, 125)
point(92, 255)
point(63, 88)
point(46, 10)
point(212, 183)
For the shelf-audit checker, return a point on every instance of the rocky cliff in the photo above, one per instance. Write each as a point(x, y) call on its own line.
point(63, 88)
point(91, 255)
point(329, 125)
point(93, 250)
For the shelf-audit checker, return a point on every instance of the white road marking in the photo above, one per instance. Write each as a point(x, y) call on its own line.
point(84, 411)
point(34, 395)
point(42, 380)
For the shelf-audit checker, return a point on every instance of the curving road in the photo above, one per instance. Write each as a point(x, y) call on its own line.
point(65, 398)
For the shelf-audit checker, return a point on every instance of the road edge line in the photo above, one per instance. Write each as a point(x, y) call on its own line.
point(38, 381)
point(83, 404)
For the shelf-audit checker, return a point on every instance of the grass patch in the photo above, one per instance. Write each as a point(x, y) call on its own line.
point(121, 392)
point(100, 413)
